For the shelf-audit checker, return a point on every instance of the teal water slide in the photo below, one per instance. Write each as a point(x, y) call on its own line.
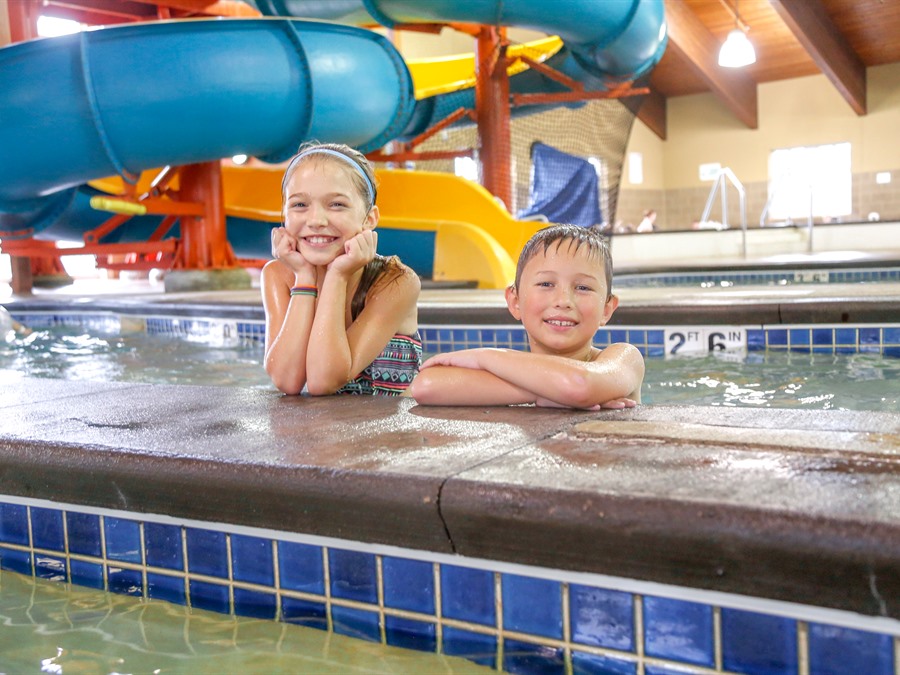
point(124, 99)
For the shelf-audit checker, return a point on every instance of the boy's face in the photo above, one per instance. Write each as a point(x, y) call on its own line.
point(562, 300)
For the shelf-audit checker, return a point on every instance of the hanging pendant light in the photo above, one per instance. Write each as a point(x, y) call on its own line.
point(737, 51)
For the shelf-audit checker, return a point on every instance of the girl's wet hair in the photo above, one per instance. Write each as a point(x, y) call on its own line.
point(361, 172)
point(576, 236)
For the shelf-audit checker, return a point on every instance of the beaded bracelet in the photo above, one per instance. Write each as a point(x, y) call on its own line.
point(311, 291)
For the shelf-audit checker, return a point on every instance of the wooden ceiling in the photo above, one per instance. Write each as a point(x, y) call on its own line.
point(793, 38)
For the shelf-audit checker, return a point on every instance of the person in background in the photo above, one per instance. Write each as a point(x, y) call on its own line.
point(648, 224)
point(562, 295)
point(339, 317)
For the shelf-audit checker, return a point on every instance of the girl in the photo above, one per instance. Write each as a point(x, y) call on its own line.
point(339, 317)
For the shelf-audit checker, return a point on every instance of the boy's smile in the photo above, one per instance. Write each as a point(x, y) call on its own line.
point(562, 300)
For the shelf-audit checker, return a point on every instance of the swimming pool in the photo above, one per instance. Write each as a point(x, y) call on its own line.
point(218, 353)
point(51, 627)
point(109, 484)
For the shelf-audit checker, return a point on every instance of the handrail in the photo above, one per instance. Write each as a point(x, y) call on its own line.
point(724, 173)
point(809, 216)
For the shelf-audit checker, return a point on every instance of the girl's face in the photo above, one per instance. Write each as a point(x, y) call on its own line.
point(562, 300)
point(323, 209)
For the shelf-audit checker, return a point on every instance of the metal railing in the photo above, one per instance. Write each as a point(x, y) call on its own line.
point(726, 173)
point(809, 216)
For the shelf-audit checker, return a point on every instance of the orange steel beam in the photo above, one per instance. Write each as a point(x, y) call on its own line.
point(32, 248)
point(492, 111)
point(204, 238)
point(23, 18)
point(574, 96)
point(410, 156)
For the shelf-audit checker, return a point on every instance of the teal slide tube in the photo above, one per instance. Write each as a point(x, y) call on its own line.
point(125, 99)
point(128, 98)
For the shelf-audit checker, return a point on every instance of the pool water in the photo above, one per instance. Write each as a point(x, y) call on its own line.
point(773, 379)
point(52, 627)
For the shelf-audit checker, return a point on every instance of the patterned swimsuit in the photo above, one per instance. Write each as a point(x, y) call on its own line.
point(392, 371)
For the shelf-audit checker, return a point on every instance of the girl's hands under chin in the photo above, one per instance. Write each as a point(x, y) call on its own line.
point(285, 247)
point(358, 252)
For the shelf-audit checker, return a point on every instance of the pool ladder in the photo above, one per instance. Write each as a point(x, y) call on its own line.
point(809, 217)
point(726, 173)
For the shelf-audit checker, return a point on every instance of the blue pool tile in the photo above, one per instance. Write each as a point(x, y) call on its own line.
point(123, 539)
point(126, 582)
point(602, 618)
point(870, 337)
point(468, 594)
point(835, 651)
point(300, 567)
point(86, 573)
point(49, 567)
point(408, 584)
point(477, 647)
point(845, 336)
point(47, 529)
point(757, 644)
point(678, 630)
point(304, 612)
point(353, 575)
point(207, 552)
point(410, 634)
point(823, 336)
point(162, 545)
point(891, 352)
point(890, 336)
point(212, 597)
point(618, 336)
point(777, 337)
point(84, 533)
point(534, 659)
point(799, 336)
point(357, 623)
point(14, 524)
point(656, 338)
point(591, 664)
point(166, 587)
point(254, 603)
point(252, 560)
point(756, 338)
point(532, 605)
point(637, 337)
point(15, 561)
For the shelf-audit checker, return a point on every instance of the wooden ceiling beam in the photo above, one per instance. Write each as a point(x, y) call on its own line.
point(691, 40)
point(653, 113)
point(831, 52)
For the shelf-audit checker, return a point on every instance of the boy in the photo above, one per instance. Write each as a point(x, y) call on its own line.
point(562, 296)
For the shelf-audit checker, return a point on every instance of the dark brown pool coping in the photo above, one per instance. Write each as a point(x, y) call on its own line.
point(800, 506)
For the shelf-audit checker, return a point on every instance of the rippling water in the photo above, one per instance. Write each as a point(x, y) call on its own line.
point(51, 627)
point(756, 379)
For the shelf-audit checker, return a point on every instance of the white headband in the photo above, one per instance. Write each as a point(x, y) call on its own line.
point(334, 153)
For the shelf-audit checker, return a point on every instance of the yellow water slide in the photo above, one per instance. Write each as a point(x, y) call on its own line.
point(475, 237)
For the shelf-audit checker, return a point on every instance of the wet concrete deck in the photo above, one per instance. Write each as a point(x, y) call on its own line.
point(801, 506)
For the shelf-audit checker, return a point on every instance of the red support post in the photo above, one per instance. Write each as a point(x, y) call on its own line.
point(204, 241)
point(492, 112)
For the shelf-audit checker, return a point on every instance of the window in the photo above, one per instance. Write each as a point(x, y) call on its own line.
point(814, 179)
point(466, 167)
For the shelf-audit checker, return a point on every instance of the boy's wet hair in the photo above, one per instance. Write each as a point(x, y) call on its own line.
point(576, 236)
point(363, 177)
